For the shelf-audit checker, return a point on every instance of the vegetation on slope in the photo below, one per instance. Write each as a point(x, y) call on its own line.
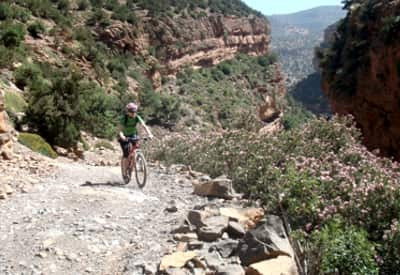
point(218, 95)
point(73, 81)
point(326, 181)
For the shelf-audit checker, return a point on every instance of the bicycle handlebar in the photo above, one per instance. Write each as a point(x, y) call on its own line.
point(137, 138)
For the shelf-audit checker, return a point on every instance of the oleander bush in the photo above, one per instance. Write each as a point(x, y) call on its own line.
point(317, 172)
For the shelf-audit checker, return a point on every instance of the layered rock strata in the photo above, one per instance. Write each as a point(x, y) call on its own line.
point(202, 42)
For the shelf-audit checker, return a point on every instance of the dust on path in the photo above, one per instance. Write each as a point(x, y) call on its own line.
point(66, 225)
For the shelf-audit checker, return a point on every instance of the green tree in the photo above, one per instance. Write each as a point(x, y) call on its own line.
point(55, 107)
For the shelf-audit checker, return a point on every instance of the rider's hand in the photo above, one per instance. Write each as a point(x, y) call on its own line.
point(122, 136)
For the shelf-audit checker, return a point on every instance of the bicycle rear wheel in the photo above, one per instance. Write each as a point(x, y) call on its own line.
point(140, 169)
point(127, 172)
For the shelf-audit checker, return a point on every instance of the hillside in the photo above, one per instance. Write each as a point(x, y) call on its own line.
point(315, 19)
point(294, 37)
point(72, 65)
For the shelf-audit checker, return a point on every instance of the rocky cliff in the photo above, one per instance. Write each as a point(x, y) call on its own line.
point(361, 71)
point(178, 42)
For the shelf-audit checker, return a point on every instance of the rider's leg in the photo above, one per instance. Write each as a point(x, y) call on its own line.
point(124, 158)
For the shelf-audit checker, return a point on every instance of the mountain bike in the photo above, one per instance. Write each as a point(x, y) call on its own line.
point(137, 162)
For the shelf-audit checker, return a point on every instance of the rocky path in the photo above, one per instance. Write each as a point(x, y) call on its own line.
point(81, 220)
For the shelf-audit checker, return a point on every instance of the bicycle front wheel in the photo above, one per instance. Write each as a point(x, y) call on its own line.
point(140, 169)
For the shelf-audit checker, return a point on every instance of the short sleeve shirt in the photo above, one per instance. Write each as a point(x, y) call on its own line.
point(129, 125)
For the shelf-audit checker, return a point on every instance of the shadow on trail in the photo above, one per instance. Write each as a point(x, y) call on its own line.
point(108, 183)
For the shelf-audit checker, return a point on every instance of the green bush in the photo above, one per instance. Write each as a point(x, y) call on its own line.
point(37, 144)
point(99, 18)
point(61, 103)
point(36, 29)
point(295, 115)
point(10, 55)
point(11, 35)
point(64, 5)
point(26, 74)
point(5, 11)
point(390, 250)
point(341, 249)
point(83, 5)
point(159, 109)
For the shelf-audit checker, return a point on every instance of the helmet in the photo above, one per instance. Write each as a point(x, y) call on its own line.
point(131, 107)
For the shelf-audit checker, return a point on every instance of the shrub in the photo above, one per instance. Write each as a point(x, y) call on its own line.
point(100, 18)
point(63, 103)
point(35, 29)
point(64, 5)
point(390, 250)
point(26, 74)
point(341, 249)
point(158, 108)
point(295, 116)
point(267, 60)
point(83, 5)
point(37, 144)
point(12, 35)
point(5, 11)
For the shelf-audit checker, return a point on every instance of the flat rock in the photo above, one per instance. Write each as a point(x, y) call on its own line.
point(177, 259)
point(282, 265)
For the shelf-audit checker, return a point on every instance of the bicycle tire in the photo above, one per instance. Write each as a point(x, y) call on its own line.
point(140, 169)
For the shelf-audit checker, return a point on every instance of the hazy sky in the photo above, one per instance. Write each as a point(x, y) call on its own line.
point(269, 7)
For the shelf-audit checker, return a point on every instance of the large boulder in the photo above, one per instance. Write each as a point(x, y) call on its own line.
point(268, 240)
point(214, 228)
point(220, 187)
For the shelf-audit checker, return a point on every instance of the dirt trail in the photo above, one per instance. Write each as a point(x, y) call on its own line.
point(82, 220)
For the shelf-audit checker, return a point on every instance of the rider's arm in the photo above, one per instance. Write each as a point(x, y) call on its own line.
point(120, 130)
point(145, 127)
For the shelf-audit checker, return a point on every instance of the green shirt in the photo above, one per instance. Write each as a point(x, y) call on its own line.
point(129, 125)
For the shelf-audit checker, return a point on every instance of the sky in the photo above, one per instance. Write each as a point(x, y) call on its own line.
point(269, 7)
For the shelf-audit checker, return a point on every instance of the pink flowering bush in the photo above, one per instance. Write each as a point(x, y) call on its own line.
point(316, 173)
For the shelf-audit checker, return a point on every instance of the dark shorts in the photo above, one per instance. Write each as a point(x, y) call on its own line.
point(125, 144)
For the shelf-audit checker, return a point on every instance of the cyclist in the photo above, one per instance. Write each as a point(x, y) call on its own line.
point(128, 129)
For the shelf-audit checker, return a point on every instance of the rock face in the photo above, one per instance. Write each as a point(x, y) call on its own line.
point(361, 72)
point(5, 131)
point(210, 40)
point(199, 42)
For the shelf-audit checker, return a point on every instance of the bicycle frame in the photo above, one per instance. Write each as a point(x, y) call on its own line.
point(133, 147)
